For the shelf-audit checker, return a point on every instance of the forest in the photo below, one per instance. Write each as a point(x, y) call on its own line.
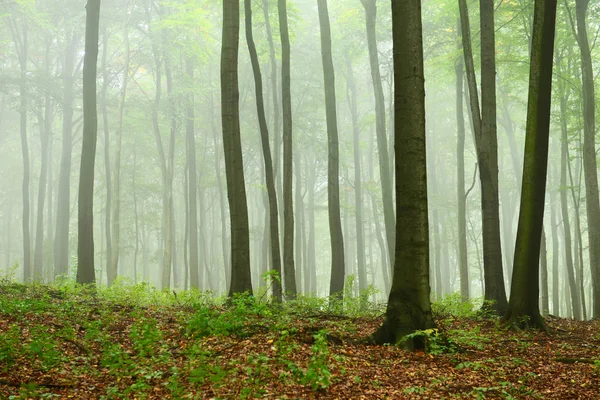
point(299, 199)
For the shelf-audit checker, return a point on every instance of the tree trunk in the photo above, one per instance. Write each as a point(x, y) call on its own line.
point(589, 152)
point(484, 124)
point(564, 206)
point(45, 123)
point(544, 274)
point(192, 180)
point(409, 307)
point(336, 286)
point(463, 262)
point(85, 247)
point(266, 149)
point(288, 207)
point(370, 7)
point(105, 127)
point(113, 269)
point(358, 197)
point(241, 280)
point(523, 309)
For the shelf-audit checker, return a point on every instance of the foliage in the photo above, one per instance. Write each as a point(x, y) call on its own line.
point(127, 344)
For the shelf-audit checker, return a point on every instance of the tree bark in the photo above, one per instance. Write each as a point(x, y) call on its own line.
point(589, 151)
point(523, 309)
point(409, 306)
point(266, 149)
point(336, 286)
point(234, 166)
point(484, 124)
point(463, 262)
point(85, 247)
point(288, 207)
point(370, 7)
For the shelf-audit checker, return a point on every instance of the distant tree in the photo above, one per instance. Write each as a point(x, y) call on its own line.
point(385, 175)
point(266, 148)
point(234, 165)
point(336, 286)
point(409, 307)
point(85, 246)
point(523, 308)
point(289, 272)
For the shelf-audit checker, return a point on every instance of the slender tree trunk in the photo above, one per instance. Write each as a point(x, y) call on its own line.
point(523, 309)
point(370, 7)
point(589, 151)
point(564, 206)
point(358, 197)
point(311, 262)
point(45, 123)
point(22, 45)
point(544, 274)
point(108, 173)
point(463, 262)
point(168, 212)
point(484, 124)
point(192, 180)
point(288, 207)
point(266, 149)
point(241, 280)
point(555, 262)
point(113, 269)
point(333, 165)
point(85, 248)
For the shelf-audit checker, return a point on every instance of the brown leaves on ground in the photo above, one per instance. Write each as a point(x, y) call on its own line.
point(91, 350)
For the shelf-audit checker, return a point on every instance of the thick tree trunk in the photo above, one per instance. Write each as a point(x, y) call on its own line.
point(85, 247)
point(336, 286)
point(266, 149)
point(241, 280)
point(589, 152)
point(409, 306)
point(370, 7)
point(288, 207)
point(523, 309)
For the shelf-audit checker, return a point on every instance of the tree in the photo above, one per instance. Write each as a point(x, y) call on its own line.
point(523, 308)
point(589, 150)
point(85, 224)
point(266, 148)
point(463, 265)
point(370, 7)
point(409, 307)
point(336, 286)
point(484, 124)
point(234, 165)
point(289, 273)
point(192, 179)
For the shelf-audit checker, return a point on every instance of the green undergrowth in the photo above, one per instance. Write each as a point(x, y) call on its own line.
point(135, 341)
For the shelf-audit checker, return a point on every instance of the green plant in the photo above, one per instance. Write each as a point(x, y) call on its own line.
point(116, 360)
point(433, 341)
point(318, 375)
point(9, 346)
point(145, 336)
point(43, 347)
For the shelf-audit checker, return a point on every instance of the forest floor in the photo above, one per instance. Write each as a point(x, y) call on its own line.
point(135, 342)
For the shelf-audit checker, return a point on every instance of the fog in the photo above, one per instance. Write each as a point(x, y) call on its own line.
point(149, 46)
